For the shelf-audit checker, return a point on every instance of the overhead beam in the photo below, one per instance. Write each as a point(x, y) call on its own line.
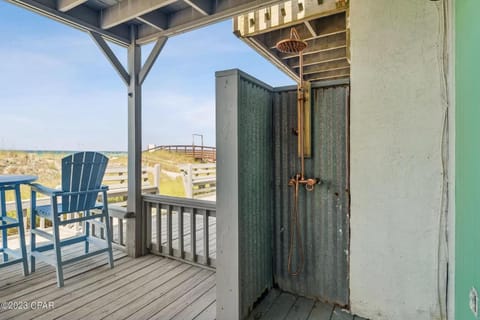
point(320, 44)
point(97, 38)
point(321, 77)
point(49, 10)
point(202, 6)
point(66, 5)
point(272, 57)
point(310, 28)
point(324, 27)
point(151, 59)
point(185, 20)
point(328, 66)
point(322, 57)
point(128, 10)
point(155, 19)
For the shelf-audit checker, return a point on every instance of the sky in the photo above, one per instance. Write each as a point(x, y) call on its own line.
point(59, 92)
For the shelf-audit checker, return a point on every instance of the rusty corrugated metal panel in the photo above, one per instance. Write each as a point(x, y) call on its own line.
point(323, 212)
point(255, 190)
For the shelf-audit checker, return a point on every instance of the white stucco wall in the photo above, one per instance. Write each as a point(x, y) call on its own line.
point(396, 177)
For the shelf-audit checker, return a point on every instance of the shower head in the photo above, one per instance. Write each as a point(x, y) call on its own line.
point(292, 45)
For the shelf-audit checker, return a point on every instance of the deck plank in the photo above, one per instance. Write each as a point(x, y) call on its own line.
point(359, 318)
point(190, 296)
point(321, 311)
point(103, 291)
point(165, 295)
point(150, 284)
point(209, 313)
point(194, 309)
point(51, 292)
point(78, 298)
point(264, 305)
point(301, 309)
point(280, 307)
point(120, 295)
point(339, 314)
point(47, 276)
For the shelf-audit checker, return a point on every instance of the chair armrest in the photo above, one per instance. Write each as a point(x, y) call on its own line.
point(45, 190)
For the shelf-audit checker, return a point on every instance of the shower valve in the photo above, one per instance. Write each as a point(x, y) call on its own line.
point(309, 183)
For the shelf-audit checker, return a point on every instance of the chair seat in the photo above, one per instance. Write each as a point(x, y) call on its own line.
point(46, 210)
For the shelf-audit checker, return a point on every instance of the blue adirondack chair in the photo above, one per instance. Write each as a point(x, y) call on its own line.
point(82, 175)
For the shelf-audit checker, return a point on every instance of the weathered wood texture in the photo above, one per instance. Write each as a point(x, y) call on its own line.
point(146, 287)
point(203, 153)
point(323, 25)
point(169, 227)
point(200, 180)
point(285, 306)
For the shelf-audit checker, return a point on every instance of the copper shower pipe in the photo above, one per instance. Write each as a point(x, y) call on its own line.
point(296, 45)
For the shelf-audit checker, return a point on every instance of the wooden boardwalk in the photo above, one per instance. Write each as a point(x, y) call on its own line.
point(148, 287)
point(279, 305)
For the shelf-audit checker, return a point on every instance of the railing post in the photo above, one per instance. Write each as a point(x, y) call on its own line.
point(156, 177)
point(189, 184)
point(130, 241)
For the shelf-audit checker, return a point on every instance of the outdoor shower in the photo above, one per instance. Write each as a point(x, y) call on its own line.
point(295, 45)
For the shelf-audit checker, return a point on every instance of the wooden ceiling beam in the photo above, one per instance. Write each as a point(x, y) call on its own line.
point(189, 19)
point(323, 77)
point(321, 57)
point(321, 44)
point(202, 6)
point(128, 10)
point(66, 5)
point(323, 27)
point(155, 19)
point(327, 66)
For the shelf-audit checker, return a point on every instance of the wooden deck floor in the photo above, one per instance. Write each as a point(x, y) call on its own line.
point(279, 305)
point(149, 287)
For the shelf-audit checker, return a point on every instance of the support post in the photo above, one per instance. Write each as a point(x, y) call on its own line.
point(133, 78)
point(134, 203)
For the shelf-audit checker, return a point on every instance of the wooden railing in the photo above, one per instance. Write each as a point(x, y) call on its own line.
point(181, 228)
point(116, 178)
point(199, 180)
point(197, 152)
point(119, 224)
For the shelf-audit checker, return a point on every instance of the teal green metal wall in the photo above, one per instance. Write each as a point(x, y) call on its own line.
point(323, 213)
point(467, 146)
point(255, 189)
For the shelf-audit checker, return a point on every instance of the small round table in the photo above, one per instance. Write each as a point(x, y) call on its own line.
point(13, 182)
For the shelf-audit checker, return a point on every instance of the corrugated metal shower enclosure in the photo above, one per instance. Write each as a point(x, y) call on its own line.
point(256, 156)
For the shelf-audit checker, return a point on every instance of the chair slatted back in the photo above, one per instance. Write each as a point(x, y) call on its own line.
point(82, 171)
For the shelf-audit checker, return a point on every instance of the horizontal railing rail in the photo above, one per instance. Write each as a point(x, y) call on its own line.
point(181, 228)
point(198, 152)
point(200, 180)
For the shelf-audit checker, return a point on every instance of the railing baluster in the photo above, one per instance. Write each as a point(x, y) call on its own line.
point(193, 234)
point(196, 209)
point(169, 230)
point(102, 230)
point(147, 206)
point(120, 232)
point(205, 237)
point(180, 232)
point(111, 227)
point(159, 227)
